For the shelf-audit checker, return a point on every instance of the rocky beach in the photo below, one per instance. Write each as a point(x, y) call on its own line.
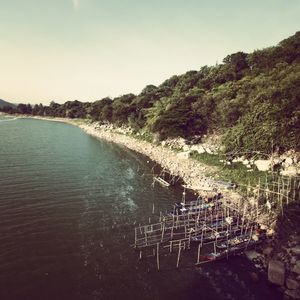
point(280, 261)
point(194, 174)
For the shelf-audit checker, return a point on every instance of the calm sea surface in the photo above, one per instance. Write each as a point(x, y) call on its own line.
point(68, 203)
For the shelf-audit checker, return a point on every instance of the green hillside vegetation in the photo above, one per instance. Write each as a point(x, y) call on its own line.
point(253, 100)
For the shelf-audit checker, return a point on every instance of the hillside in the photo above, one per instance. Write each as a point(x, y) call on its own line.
point(6, 104)
point(251, 99)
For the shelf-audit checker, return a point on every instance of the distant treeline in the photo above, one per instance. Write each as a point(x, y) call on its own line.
point(252, 99)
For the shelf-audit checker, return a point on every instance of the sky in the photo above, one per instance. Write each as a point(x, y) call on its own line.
point(61, 50)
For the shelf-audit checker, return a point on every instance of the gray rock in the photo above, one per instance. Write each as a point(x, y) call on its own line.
point(267, 251)
point(292, 243)
point(263, 165)
point(276, 272)
point(296, 269)
point(294, 294)
point(293, 260)
point(296, 250)
point(251, 254)
point(291, 284)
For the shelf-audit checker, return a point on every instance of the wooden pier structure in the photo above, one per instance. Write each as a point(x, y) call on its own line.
point(205, 227)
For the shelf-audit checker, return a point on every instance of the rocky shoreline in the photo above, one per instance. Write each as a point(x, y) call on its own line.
point(281, 263)
point(195, 175)
point(192, 172)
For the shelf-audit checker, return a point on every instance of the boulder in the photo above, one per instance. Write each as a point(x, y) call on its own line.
point(296, 250)
point(290, 171)
point(251, 254)
point(186, 148)
point(288, 161)
point(268, 250)
point(209, 151)
point(294, 294)
point(276, 272)
point(245, 162)
point(291, 284)
point(292, 244)
point(263, 164)
point(200, 149)
point(184, 155)
point(293, 260)
point(296, 268)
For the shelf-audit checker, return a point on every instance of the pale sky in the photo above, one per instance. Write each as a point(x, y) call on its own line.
point(88, 49)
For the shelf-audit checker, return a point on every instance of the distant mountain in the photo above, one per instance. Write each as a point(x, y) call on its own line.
point(5, 103)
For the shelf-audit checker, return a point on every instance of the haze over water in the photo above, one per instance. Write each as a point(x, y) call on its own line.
point(68, 203)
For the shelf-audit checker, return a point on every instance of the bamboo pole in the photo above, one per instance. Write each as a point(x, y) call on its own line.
point(244, 215)
point(183, 195)
point(227, 246)
point(198, 256)
point(162, 232)
point(258, 195)
point(289, 189)
point(278, 192)
point(190, 236)
point(294, 189)
point(178, 257)
point(157, 256)
point(250, 237)
point(222, 220)
point(171, 246)
point(202, 237)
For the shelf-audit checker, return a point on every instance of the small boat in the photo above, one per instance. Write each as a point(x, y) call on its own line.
point(161, 181)
point(184, 208)
point(219, 236)
point(239, 242)
point(212, 257)
point(236, 250)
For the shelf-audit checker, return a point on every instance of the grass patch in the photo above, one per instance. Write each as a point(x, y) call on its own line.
point(235, 172)
point(208, 159)
point(143, 136)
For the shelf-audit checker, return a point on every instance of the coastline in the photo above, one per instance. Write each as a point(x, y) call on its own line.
point(196, 177)
point(194, 173)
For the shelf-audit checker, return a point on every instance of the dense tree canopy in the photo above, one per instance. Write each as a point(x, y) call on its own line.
point(252, 99)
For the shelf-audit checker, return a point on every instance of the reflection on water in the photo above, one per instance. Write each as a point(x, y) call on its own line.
point(68, 205)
